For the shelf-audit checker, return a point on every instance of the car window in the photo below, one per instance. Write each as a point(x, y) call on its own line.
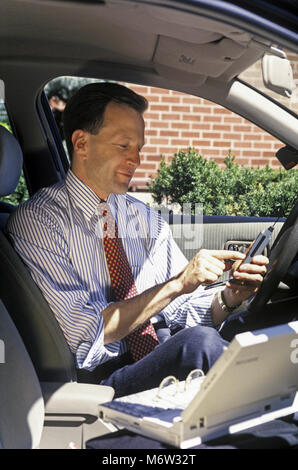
point(58, 91)
point(198, 152)
point(21, 193)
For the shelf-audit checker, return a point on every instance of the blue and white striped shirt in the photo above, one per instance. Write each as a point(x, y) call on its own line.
point(57, 233)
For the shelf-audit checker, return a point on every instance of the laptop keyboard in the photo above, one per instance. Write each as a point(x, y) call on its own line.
point(171, 397)
point(150, 404)
point(140, 411)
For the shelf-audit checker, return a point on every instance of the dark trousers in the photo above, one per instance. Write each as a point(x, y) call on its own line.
point(191, 348)
point(271, 314)
point(177, 354)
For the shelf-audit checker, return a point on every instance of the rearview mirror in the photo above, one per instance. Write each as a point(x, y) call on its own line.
point(287, 156)
point(278, 75)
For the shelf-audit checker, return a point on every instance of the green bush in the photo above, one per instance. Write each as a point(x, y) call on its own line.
point(235, 190)
point(21, 193)
point(6, 125)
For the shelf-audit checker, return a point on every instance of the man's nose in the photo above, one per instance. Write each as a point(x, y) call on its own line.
point(134, 157)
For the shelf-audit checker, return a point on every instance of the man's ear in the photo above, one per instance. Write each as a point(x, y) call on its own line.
point(80, 142)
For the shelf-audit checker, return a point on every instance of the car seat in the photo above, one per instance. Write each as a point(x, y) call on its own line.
point(21, 401)
point(41, 402)
point(36, 323)
point(46, 415)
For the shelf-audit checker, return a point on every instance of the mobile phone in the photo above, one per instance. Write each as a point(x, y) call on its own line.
point(256, 248)
point(259, 244)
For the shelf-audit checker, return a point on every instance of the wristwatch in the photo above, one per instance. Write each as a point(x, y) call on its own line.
point(222, 302)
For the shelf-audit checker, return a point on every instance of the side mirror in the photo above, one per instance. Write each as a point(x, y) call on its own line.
point(278, 75)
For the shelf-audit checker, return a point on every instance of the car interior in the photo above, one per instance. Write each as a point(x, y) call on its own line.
point(191, 47)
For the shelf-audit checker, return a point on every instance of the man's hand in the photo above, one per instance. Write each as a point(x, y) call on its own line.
point(205, 268)
point(248, 278)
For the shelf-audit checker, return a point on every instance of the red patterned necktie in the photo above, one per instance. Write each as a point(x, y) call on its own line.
point(144, 339)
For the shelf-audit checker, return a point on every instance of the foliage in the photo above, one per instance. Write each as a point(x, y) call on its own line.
point(67, 86)
point(234, 190)
point(21, 193)
point(6, 125)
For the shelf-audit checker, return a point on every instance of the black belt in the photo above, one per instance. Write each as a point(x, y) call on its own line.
point(104, 370)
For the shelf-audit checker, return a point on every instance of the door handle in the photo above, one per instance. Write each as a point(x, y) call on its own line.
point(240, 245)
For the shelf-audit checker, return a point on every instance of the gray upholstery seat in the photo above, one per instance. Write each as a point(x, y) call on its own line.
point(21, 401)
point(27, 307)
point(46, 415)
point(36, 323)
point(33, 318)
point(41, 402)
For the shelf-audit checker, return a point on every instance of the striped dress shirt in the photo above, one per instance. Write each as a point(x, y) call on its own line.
point(58, 234)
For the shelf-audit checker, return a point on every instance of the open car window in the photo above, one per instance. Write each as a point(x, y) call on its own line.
point(21, 193)
point(236, 157)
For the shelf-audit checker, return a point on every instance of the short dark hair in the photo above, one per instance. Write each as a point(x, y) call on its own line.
point(85, 109)
point(60, 91)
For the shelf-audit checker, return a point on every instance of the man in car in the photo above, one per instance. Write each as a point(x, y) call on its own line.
point(128, 302)
point(57, 98)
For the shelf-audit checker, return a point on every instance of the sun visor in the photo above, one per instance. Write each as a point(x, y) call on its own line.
point(278, 75)
point(196, 60)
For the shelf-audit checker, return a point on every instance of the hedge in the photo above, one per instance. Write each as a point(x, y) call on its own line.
point(21, 193)
point(234, 190)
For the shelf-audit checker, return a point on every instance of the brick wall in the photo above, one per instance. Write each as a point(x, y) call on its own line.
point(177, 121)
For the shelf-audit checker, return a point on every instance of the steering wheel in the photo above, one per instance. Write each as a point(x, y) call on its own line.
point(282, 255)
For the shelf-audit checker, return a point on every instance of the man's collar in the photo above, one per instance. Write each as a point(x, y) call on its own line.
point(83, 196)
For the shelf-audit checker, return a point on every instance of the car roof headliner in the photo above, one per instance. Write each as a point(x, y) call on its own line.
point(166, 41)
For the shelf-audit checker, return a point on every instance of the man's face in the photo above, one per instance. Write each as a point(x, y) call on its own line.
point(113, 154)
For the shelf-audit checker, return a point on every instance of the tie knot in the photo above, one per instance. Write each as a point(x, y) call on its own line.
point(109, 224)
point(103, 206)
point(104, 209)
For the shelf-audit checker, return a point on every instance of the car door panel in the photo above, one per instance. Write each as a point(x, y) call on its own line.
point(220, 233)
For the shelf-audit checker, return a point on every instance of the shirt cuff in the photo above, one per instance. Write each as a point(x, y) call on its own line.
point(191, 309)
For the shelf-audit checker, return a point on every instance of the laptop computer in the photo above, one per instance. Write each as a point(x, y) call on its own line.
point(254, 381)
